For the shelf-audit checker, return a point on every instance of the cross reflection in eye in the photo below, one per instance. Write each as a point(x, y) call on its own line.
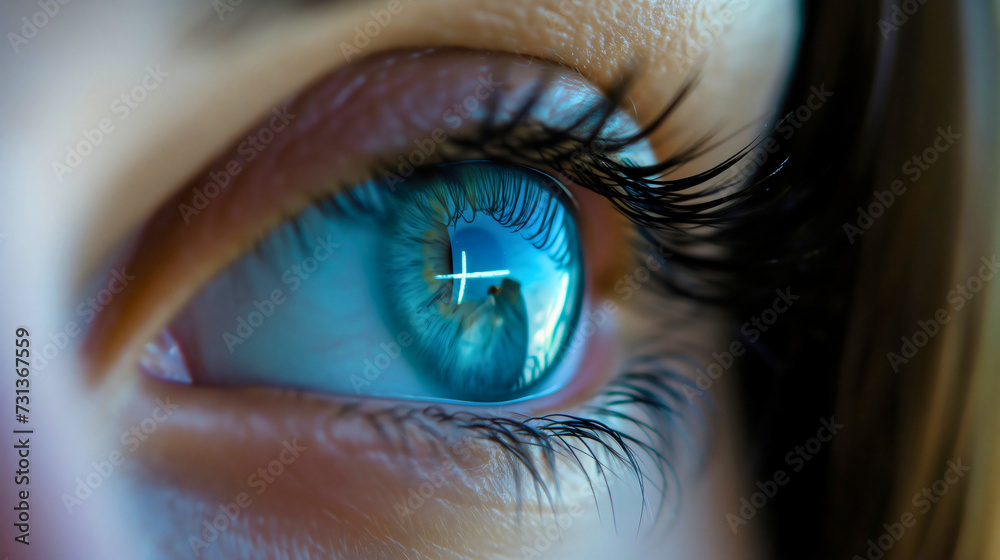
point(464, 284)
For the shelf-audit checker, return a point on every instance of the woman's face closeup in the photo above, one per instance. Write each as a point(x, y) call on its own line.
point(332, 279)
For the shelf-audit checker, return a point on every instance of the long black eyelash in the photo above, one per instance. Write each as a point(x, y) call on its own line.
point(534, 446)
point(677, 213)
point(580, 150)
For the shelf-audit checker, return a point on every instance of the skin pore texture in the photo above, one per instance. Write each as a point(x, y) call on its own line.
point(338, 495)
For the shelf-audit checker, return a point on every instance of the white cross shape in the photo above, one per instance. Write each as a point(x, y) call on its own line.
point(466, 275)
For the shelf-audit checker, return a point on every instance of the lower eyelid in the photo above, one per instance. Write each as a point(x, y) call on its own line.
point(346, 471)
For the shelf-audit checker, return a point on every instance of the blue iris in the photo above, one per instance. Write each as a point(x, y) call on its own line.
point(484, 261)
point(464, 285)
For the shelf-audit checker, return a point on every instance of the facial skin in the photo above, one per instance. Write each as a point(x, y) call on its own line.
point(339, 483)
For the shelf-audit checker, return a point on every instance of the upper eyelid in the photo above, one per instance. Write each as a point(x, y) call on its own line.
point(197, 116)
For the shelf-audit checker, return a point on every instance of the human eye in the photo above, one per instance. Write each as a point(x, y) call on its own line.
point(468, 277)
point(430, 282)
point(427, 260)
point(457, 272)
